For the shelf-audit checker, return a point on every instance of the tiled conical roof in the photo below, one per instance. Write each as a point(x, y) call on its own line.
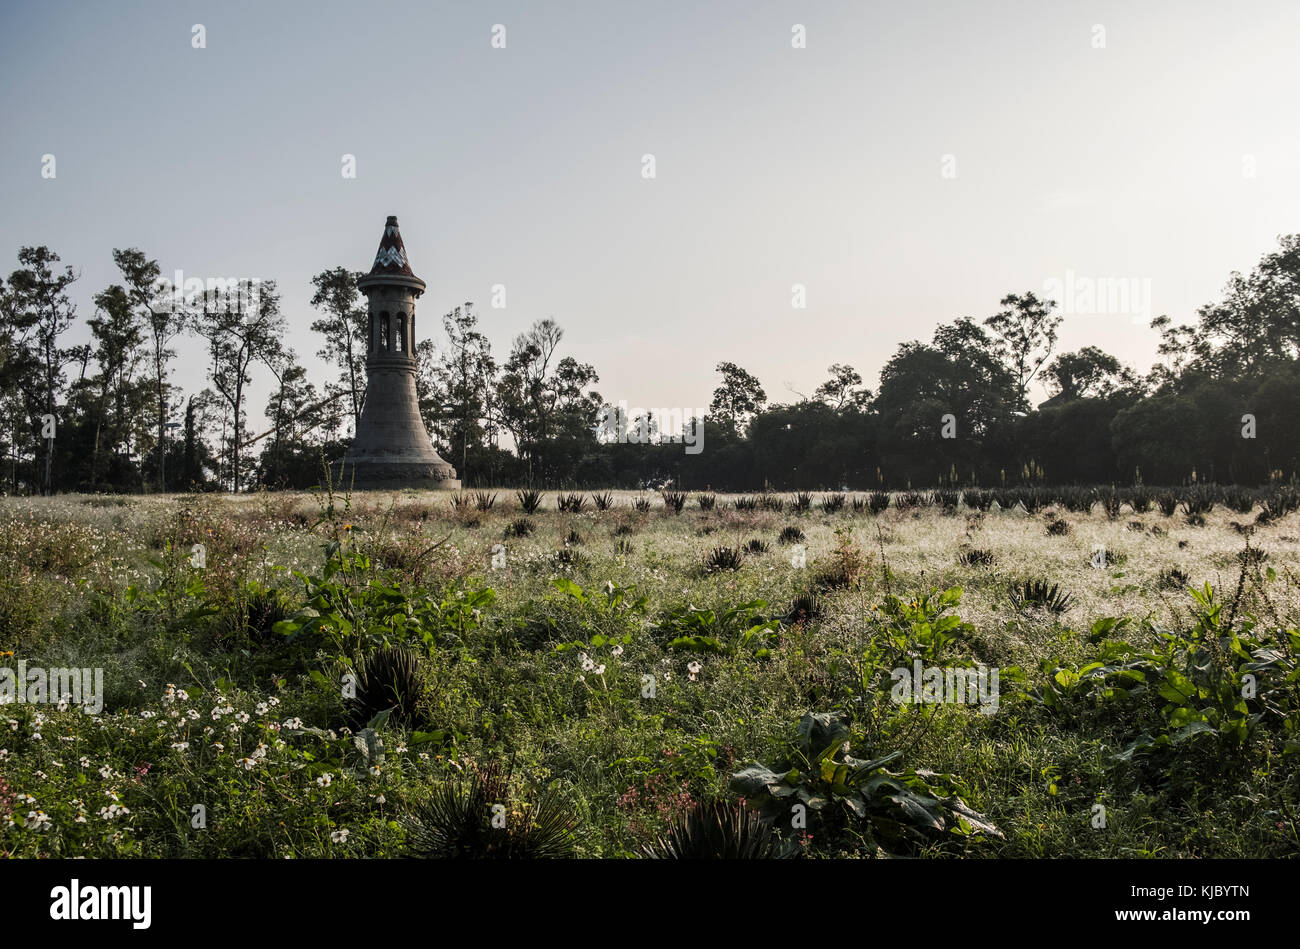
point(391, 257)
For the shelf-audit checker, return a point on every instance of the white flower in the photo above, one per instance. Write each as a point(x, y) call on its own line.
point(180, 745)
point(374, 771)
point(248, 764)
point(381, 800)
point(192, 715)
point(273, 701)
point(293, 723)
point(147, 714)
point(600, 669)
point(233, 729)
point(261, 708)
point(38, 819)
point(325, 780)
point(36, 736)
point(242, 718)
point(617, 651)
point(85, 762)
point(587, 663)
point(340, 836)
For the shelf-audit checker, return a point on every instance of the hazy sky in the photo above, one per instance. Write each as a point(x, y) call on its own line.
point(1171, 156)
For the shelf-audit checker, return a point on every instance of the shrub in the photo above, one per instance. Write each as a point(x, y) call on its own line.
point(790, 535)
point(801, 503)
point(530, 502)
point(757, 546)
point(603, 501)
point(877, 501)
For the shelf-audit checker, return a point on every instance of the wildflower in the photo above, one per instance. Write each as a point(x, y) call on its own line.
point(242, 718)
point(248, 764)
point(85, 762)
point(381, 800)
point(293, 723)
point(180, 745)
point(324, 780)
point(374, 771)
point(694, 669)
point(38, 819)
point(617, 651)
point(600, 669)
point(340, 836)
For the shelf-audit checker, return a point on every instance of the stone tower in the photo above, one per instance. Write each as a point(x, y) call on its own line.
point(392, 448)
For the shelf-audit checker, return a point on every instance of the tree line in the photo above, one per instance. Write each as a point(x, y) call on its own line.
point(1221, 405)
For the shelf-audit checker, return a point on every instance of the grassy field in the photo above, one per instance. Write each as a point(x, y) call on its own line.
point(585, 682)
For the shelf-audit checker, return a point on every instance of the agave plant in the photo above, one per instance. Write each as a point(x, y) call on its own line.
point(832, 503)
point(745, 504)
point(386, 679)
point(603, 501)
point(804, 608)
point(642, 505)
point(977, 557)
point(877, 501)
point(459, 501)
point(724, 558)
point(480, 818)
point(719, 831)
point(674, 500)
point(521, 527)
point(771, 502)
point(790, 535)
point(801, 503)
point(1040, 593)
point(757, 546)
point(573, 538)
point(484, 501)
point(573, 503)
point(530, 502)
point(706, 501)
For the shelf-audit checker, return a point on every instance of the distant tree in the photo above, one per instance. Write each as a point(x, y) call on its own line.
point(1024, 334)
point(40, 312)
point(164, 315)
point(737, 399)
point(549, 413)
point(345, 327)
point(842, 390)
point(240, 328)
point(1086, 373)
point(118, 334)
point(464, 375)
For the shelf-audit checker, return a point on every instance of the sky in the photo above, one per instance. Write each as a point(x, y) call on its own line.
point(910, 164)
